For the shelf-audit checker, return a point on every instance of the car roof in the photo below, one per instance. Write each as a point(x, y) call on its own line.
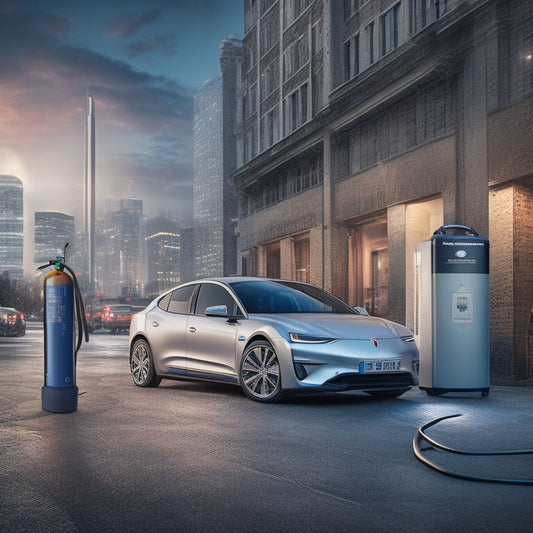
point(234, 279)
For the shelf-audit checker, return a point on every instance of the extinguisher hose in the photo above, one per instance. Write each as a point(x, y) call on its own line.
point(434, 445)
point(83, 328)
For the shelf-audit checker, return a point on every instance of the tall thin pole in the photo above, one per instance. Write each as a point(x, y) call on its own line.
point(89, 211)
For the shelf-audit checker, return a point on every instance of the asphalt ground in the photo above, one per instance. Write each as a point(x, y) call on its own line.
point(202, 457)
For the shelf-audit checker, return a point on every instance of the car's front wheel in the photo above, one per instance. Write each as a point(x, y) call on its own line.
point(259, 373)
point(142, 365)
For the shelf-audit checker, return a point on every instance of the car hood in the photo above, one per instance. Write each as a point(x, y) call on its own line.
point(335, 326)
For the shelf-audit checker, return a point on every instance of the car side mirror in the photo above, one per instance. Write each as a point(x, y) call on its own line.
point(217, 310)
point(362, 311)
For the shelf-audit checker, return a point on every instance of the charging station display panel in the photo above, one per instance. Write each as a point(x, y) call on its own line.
point(460, 255)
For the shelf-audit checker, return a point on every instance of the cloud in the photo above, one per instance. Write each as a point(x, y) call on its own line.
point(129, 25)
point(157, 43)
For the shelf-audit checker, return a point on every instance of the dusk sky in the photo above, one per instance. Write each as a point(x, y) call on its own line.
point(143, 61)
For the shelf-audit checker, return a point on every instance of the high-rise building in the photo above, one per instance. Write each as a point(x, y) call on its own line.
point(120, 250)
point(215, 207)
point(11, 227)
point(208, 184)
point(162, 238)
point(366, 126)
point(52, 232)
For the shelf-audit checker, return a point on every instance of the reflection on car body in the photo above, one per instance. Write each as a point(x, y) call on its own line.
point(270, 337)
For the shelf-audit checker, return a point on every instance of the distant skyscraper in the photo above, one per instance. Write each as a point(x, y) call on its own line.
point(215, 206)
point(89, 200)
point(52, 232)
point(120, 237)
point(11, 226)
point(163, 254)
point(208, 185)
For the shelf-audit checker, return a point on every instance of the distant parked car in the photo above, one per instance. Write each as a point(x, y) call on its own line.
point(12, 322)
point(118, 317)
point(94, 320)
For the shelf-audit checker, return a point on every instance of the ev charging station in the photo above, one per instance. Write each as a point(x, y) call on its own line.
point(452, 311)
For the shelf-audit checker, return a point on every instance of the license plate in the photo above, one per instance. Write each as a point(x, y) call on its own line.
point(387, 365)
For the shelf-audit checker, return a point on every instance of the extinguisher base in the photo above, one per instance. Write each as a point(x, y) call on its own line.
point(59, 399)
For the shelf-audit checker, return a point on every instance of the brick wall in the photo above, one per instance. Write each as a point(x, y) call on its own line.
point(501, 282)
point(523, 280)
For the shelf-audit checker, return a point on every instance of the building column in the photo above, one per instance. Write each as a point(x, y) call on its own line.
point(396, 222)
point(286, 253)
point(328, 219)
point(472, 175)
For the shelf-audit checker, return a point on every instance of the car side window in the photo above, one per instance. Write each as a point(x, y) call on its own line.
point(163, 303)
point(180, 300)
point(210, 295)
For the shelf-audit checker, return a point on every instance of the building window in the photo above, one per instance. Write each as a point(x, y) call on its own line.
point(316, 38)
point(424, 12)
point(269, 79)
point(270, 128)
point(370, 43)
point(317, 86)
point(389, 30)
point(347, 59)
point(422, 117)
point(250, 100)
point(250, 141)
point(351, 57)
point(352, 6)
point(295, 56)
point(269, 30)
point(296, 109)
point(292, 9)
point(250, 52)
point(277, 186)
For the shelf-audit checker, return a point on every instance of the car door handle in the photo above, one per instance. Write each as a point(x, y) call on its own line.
point(155, 324)
point(192, 329)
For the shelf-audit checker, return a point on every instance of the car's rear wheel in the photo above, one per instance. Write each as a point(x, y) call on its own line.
point(259, 373)
point(142, 365)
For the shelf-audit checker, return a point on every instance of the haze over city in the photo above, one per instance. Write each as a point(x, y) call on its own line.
point(142, 63)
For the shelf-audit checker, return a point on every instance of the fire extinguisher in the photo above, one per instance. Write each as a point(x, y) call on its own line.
point(62, 304)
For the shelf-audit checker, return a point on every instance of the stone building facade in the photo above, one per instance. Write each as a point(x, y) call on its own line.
point(366, 125)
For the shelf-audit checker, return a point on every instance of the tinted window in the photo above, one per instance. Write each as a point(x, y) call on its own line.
point(211, 294)
point(287, 297)
point(180, 300)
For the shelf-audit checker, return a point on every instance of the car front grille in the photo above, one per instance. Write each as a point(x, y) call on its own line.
point(393, 380)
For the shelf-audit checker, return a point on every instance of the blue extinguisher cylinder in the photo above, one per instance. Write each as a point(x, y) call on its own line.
point(60, 393)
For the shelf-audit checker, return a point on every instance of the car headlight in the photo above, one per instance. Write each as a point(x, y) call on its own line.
point(408, 338)
point(310, 339)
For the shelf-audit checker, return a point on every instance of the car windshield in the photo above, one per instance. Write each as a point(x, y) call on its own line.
point(287, 297)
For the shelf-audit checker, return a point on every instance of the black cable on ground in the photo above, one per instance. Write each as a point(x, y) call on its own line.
point(421, 436)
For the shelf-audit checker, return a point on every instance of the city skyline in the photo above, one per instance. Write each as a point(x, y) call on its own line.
point(142, 64)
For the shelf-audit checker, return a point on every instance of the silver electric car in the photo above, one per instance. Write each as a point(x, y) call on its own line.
point(270, 337)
